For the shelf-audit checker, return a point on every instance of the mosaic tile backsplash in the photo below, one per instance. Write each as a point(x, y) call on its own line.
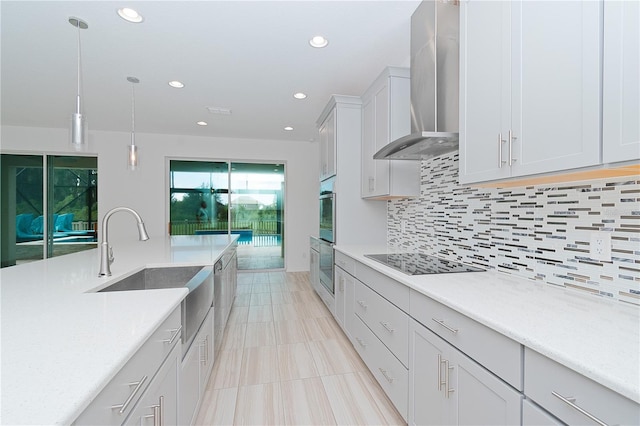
point(538, 232)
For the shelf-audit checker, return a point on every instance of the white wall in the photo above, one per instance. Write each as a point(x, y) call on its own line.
point(146, 189)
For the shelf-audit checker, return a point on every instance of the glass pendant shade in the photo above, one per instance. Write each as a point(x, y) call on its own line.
point(132, 151)
point(132, 157)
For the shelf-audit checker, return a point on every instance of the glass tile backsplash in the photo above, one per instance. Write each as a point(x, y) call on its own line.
point(538, 232)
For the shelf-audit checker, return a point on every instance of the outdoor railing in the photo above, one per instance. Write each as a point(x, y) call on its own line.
point(259, 227)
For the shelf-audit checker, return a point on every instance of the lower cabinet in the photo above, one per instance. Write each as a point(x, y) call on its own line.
point(159, 404)
point(532, 415)
point(573, 398)
point(195, 371)
point(448, 388)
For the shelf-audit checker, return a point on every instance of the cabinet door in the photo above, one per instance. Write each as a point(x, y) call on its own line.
point(206, 350)
point(381, 138)
point(426, 377)
point(556, 85)
point(485, 89)
point(368, 178)
point(328, 146)
point(159, 403)
point(189, 384)
point(340, 296)
point(479, 397)
point(532, 415)
point(621, 91)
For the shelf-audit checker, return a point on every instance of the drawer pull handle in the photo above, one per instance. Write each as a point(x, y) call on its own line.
point(176, 333)
point(361, 303)
point(158, 413)
point(441, 322)
point(387, 326)
point(362, 343)
point(384, 373)
point(570, 402)
point(123, 407)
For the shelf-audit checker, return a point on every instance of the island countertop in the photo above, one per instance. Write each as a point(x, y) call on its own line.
point(62, 342)
point(595, 337)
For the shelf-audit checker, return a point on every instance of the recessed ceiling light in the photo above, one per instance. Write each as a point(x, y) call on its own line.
point(177, 84)
point(318, 41)
point(288, 128)
point(130, 15)
point(202, 123)
point(299, 95)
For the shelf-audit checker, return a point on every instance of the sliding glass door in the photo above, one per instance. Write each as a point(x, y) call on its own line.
point(49, 206)
point(246, 199)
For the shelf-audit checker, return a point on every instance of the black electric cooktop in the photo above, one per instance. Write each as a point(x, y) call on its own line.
point(421, 264)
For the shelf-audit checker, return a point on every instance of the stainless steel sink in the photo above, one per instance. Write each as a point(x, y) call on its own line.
point(197, 279)
point(155, 278)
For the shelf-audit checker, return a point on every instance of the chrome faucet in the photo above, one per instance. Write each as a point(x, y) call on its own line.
point(106, 252)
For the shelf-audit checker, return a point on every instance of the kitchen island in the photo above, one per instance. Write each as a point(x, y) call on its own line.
point(596, 338)
point(62, 342)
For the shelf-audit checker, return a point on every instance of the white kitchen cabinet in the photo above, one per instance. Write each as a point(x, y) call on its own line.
point(573, 398)
point(386, 116)
point(314, 263)
point(116, 401)
point(159, 404)
point(529, 88)
point(621, 84)
point(328, 147)
point(356, 220)
point(344, 297)
point(448, 388)
point(195, 371)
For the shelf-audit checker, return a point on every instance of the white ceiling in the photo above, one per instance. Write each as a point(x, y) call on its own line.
point(248, 56)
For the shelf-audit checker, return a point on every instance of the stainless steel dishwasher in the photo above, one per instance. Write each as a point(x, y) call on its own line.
point(225, 281)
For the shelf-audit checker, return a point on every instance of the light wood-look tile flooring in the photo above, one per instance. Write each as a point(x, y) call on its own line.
point(285, 361)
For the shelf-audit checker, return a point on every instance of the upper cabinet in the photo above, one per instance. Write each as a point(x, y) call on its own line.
point(327, 132)
point(385, 118)
point(621, 82)
point(529, 87)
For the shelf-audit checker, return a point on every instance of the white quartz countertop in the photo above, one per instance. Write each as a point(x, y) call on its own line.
point(62, 342)
point(595, 337)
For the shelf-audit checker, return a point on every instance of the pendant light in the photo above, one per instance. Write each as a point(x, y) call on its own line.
point(78, 135)
point(132, 149)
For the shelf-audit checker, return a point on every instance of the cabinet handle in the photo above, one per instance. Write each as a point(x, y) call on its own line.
point(361, 303)
point(372, 184)
point(570, 402)
point(361, 342)
point(387, 327)
point(511, 138)
point(500, 142)
point(161, 412)
point(440, 382)
point(123, 407)
point(176, 333)
point(448, 376)
point(384, 373)
point(441, 322)
point(341, 286)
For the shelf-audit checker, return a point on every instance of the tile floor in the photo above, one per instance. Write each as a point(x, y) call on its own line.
point(285, 361)
point(260, 257)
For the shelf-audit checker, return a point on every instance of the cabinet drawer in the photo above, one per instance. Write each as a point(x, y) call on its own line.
point(140, 369)
point(546, 382)
point(495, 352)
point(385, 367)
point(345, 262)
point(532, 415)
point(387, 322)
point(397, 293)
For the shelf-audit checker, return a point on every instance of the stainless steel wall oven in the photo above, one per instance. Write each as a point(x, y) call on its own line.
point(327, 232)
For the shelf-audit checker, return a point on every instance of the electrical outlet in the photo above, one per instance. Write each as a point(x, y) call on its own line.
point(600, 247)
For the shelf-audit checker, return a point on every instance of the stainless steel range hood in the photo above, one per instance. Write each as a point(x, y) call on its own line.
point(434, 84)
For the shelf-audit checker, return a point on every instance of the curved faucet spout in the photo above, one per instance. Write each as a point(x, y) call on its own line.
point(106, 252)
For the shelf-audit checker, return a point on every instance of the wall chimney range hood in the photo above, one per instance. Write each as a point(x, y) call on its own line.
point(434, 84)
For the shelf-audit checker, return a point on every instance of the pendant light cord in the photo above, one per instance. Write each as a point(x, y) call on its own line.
point(133, 109)
point(79, 69)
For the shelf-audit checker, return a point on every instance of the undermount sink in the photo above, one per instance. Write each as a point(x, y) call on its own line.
point(197, 279)
point(156, 278)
